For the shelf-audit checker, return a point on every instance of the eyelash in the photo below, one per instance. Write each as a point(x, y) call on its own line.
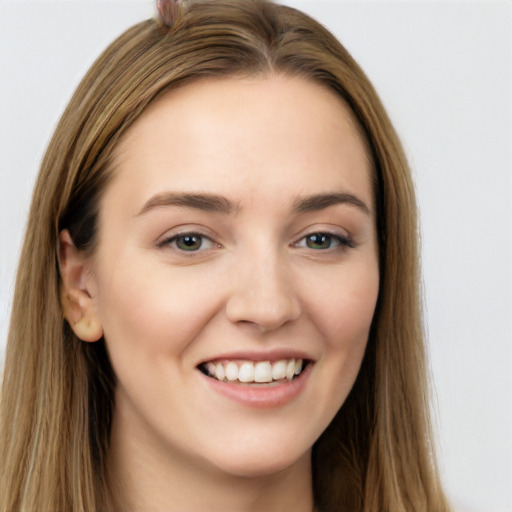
point(173, 241)
point(340, 241)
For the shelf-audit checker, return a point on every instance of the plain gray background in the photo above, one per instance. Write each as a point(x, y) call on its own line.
point(443, 69)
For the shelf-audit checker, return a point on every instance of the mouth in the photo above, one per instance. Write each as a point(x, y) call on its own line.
point(254, 373)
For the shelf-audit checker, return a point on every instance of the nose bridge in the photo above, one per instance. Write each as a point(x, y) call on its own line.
point(262, 293)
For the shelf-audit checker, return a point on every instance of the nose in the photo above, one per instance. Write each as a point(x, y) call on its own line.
point(263, 294)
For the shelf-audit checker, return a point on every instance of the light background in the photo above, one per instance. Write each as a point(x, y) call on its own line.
point(443, 70)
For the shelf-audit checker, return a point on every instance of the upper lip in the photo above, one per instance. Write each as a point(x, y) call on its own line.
point(267, 355)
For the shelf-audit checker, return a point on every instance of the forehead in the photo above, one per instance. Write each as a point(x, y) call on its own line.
point(245, 134)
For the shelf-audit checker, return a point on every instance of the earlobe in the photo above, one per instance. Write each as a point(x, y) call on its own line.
point(76, 300)
point(88, 329)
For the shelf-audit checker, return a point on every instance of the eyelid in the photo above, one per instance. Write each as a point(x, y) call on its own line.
point(171, 236)
point(340, 243)
point(344, 238)
point(340, 235)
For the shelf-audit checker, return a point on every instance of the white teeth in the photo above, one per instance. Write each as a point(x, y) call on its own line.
point(219, 372)
point(290, 369)
point(232, 371)
point(210, 368)
point(279, 370)
point(263, 372)
point(260, 372)
point(246, 372)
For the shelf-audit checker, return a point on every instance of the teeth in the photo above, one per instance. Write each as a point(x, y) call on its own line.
point(246, 372)
point(232, 371)
point(279, 370)
point(260, 372)
point(290, 369)
point(263, 372)
point(219, 372)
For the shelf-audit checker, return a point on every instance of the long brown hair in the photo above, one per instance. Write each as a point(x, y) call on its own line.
point(57, 394)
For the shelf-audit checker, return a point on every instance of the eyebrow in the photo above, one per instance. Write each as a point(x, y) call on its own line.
point(216, 203)
point(199, 201)
point(322, 201)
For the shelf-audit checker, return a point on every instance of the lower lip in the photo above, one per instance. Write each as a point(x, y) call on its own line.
point(260, 395)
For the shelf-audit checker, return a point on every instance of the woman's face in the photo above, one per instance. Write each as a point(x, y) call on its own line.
point(236, 239)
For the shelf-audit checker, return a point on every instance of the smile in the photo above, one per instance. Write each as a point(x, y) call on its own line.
point(249, 372)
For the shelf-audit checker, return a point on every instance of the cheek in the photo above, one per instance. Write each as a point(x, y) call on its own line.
point(139, 307)
point(342, 311)
point(345, 307)
point(150, 308)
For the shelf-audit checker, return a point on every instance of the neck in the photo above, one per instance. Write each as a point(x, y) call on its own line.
point(149, 479)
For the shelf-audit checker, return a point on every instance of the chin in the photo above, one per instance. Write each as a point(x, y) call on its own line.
point(263, 464)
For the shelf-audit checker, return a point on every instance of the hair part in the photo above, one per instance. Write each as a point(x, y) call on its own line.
point(57, 394)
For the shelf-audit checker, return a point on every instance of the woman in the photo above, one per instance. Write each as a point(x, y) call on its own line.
point(217, 305)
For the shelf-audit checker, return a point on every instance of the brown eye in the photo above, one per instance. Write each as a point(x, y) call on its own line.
point(189, 242)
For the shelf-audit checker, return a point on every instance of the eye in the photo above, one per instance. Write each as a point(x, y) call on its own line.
point(188, 242)
point(323, 241)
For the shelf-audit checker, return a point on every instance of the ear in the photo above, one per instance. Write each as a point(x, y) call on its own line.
point(75, 294)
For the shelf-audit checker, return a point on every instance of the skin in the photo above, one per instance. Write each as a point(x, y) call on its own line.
point(257, 284)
